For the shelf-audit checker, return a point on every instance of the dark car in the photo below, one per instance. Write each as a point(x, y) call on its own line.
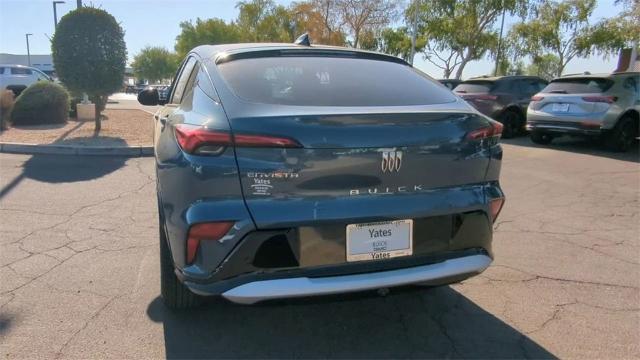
point(287, 171)
point(450, 83)
point(504, 98)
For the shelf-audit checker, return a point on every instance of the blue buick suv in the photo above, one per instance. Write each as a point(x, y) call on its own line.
point(290, 170)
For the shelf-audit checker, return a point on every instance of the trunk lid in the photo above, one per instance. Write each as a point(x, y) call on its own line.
point(348, 156)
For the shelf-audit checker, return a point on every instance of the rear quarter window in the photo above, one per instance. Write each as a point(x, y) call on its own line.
point(20, 71)
point(578, 86)
point(475, 87)
point(330, 81)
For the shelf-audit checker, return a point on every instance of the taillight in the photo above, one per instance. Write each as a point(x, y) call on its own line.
point(494, 129)
point(537, 98)
point(602, 99)
point(202, 141)
point(243, 140)
point(495, 205)
point(480, 97)
point(487, 97)
point(204, 232)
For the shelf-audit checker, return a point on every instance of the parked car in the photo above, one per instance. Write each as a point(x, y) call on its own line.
point(504, 98)
point(286, 170)
point(450, 83)
point(606, 106)
point(18, 77)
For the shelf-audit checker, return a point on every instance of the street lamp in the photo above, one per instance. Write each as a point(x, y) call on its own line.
point(55, 14)
point(28, 53)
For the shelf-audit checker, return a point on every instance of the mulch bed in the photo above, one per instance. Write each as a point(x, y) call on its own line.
point(119, 128)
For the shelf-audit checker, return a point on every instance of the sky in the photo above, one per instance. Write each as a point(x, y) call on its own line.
point(156, 23)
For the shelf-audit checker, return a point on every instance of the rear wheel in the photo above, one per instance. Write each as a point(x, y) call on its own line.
point(174, 294)
point(511, 122)
point(541, 138)
point(622, 137)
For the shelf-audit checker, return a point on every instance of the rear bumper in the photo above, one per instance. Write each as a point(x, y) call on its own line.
point(563, 127)
point(435, 274)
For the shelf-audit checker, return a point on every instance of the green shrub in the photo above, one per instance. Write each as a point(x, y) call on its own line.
point(41, 103)
point(7, 98)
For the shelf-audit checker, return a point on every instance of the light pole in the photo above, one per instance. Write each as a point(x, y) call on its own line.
point(55, 14)
point(495, 72)
point(414, 31)
point(79, 4)
point(28, 53)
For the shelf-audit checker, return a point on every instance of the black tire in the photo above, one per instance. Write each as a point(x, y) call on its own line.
point(17, 89)
point(511, 122)
point(541, 138)
point(175, 295)
point(623, 136)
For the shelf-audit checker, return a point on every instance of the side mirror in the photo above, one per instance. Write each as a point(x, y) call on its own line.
point(149, 97)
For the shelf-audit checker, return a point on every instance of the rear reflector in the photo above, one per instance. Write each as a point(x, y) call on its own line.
point(204, 231)
point(200, 140)
point(495, 205)
point(602, 99)
point(493, 129)
point(480, 97)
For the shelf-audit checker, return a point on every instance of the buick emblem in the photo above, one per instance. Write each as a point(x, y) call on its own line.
point(391, 161)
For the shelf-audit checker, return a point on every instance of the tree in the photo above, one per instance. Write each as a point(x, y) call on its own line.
point(562, 29)
point(89, 54)
point(611, 35)
point(320, 19)
point(396, 42)
point(461, 31)
point(365, 16)
point(205, 32)
point(154, 64)
point(263, 21)
point(545, 66)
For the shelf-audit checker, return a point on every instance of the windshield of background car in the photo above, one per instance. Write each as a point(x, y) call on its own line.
point(330, 81)
point(475, 87)
point(578, 86)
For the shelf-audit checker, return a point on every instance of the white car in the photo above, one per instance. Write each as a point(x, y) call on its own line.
point(19, 77)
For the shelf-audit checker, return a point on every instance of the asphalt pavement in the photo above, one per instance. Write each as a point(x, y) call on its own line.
point(79, 273)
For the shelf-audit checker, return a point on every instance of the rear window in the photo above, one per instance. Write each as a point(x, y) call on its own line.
point(475, 86)
point(330, 81)
point(578, 86)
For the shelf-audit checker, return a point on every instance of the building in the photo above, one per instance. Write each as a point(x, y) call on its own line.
point(628, 60)
point(45, 63)
point(41, 62)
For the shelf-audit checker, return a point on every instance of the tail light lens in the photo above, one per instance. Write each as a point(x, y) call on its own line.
point(202, 141)
point(495, 206)
point(537, 98)
point(601, 99)
point(480, 97)
point(494, 129)
point(204, 232)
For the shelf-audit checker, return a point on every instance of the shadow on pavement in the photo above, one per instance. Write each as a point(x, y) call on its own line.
point(409, 323)
point(67, 168)
point(580, 146)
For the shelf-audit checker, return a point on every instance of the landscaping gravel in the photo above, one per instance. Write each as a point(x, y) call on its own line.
point(119, 128)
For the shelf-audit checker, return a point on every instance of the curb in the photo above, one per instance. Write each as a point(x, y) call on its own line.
point(129, 151)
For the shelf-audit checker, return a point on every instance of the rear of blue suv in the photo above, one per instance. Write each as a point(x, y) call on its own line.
point(291, 171)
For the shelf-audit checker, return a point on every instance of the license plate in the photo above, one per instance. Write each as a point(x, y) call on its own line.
point(381, 240)
point(560, 107)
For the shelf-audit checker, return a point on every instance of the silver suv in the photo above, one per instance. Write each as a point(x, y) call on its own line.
point(598, 105)
point(18, 77)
